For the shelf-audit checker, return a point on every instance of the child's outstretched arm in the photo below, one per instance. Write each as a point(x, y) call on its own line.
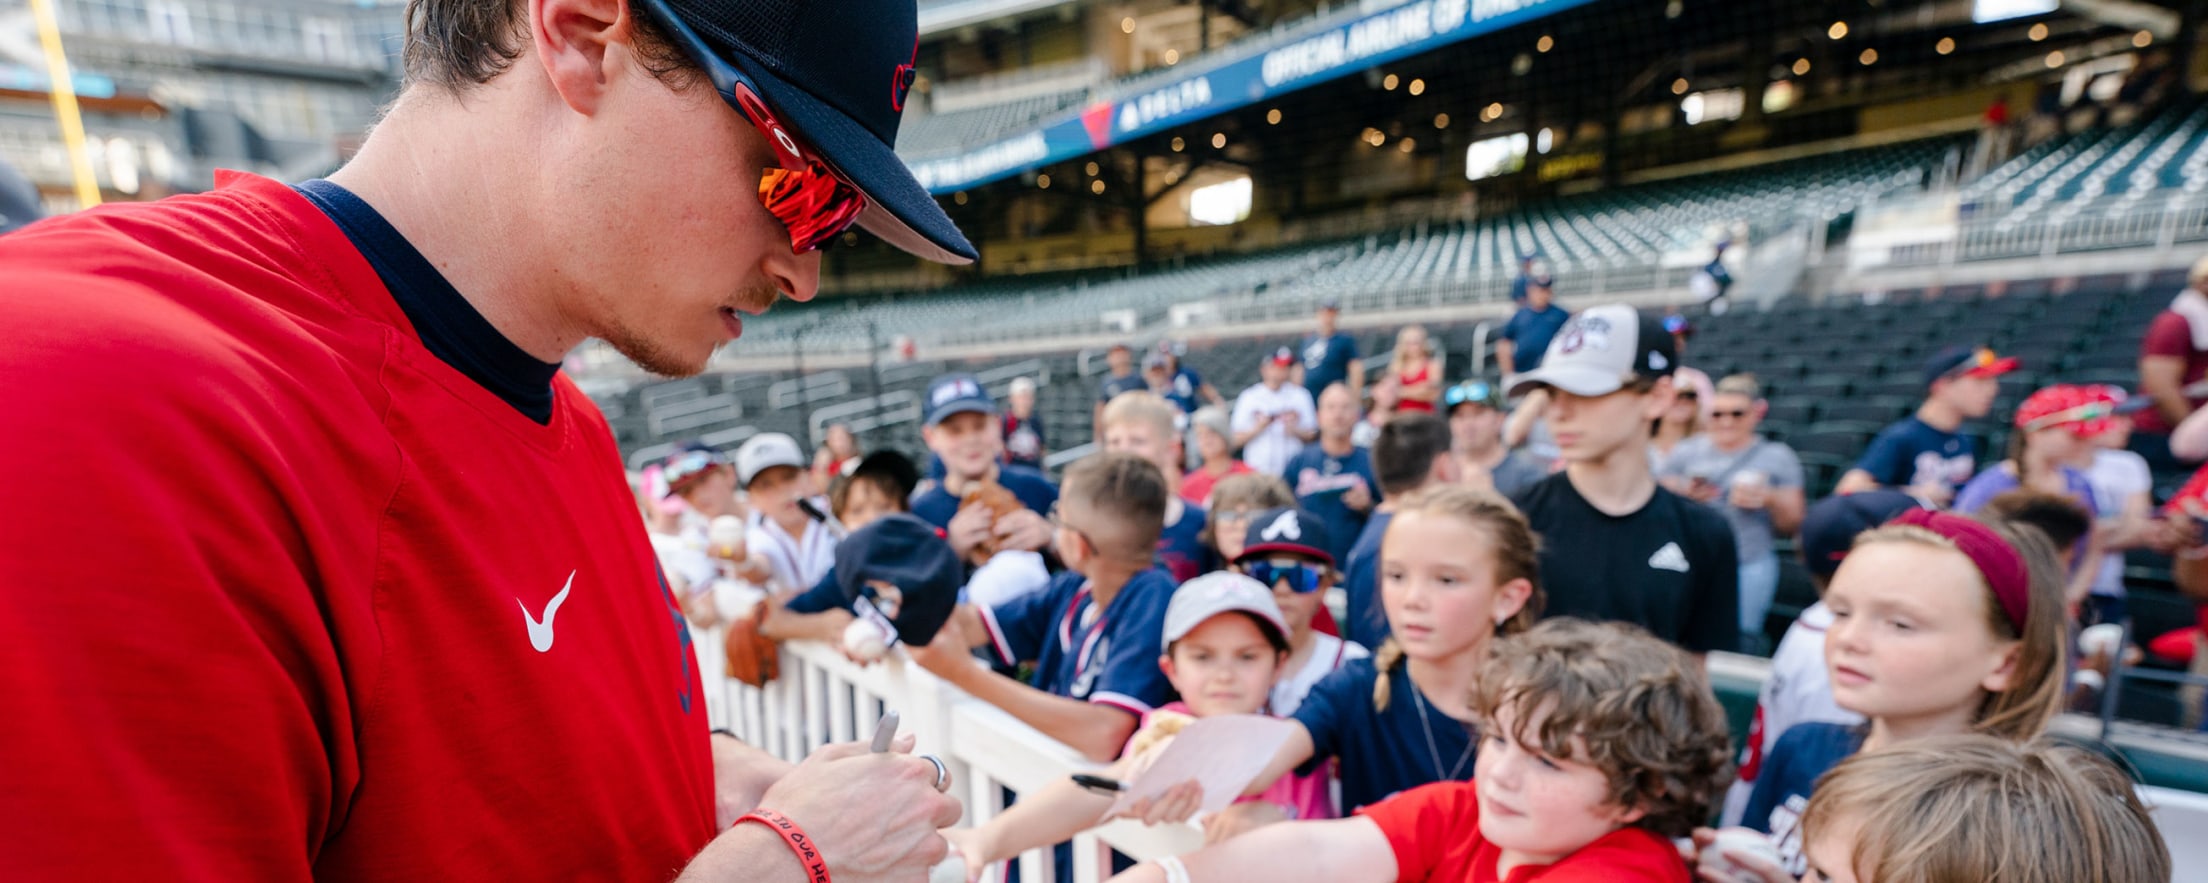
point(1049, 816)
point(1351, 850)
point(1096, 730)
point(1180, 803)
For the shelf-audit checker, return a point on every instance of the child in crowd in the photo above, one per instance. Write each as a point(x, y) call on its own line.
point(1225, 647)
point(2054, 427)
point(877, 487)
point(788, 551)
point(1799, 690)
point(2123, 497)
point(1599, 742)
point(1093, 632)
point(1141, 423)
point(1457, 569)
point(1966, 809)
point(1235, 502)
point(1926, 453)
point(1214, 435)
point(962, 430)
point(1410, 454)
point(1286, 550)
point(1942, 625)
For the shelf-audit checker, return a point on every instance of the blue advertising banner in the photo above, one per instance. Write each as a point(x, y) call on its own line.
point(1236, 81)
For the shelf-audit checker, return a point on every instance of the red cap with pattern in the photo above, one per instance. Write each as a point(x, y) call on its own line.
point(2085, 410)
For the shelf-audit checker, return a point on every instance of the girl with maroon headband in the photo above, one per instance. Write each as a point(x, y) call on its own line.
point(1943, 625)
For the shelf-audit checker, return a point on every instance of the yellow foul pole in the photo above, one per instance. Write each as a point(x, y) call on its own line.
point(65, 103)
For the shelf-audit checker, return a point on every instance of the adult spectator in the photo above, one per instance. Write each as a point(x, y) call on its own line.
point(838, 452)
point(1329, 356)
point(1525, 338)
point(1476, 410)
point(1618, 545)
point(1184, 386)
point(1377, 413)
point(1756, 483)
point(1273, 418)
point(1025, 440)
point(1214, 434)
point(1524, 279)
point(2173, 363)
point(1926, 453)
point(1333, 479)
point(1122, 378)
point(414, 627)
point(1681, 421)
point(1158, 376)
point(1411, 454)
point(1416, 375)
point(1710, 283)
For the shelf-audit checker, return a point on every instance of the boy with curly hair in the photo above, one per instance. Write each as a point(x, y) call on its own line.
point(1598, 743)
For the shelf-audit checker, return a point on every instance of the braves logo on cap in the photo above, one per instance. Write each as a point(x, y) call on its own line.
point(1585, 332)
point(1284, 526)
point(901, 78)
point(961, 388)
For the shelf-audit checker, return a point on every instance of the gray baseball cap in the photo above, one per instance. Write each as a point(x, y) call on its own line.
point(1220, 592)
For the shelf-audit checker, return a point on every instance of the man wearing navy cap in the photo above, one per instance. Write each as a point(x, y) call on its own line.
point(960, 426)
point(420, 630)
point(1329, 356)
point(1926, 452)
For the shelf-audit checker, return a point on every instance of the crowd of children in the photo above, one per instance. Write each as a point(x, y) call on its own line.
point(1503, 688)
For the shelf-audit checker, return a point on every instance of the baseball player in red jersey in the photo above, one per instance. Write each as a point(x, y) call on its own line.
point(315, 565)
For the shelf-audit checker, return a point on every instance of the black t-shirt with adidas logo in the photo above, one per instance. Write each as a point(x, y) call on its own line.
point(1669, 567)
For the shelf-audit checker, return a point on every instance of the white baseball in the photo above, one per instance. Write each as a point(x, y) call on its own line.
point(2100, 640)
point(1743, 842)
point(863, 640)
point(952, 870)
point(725, 533)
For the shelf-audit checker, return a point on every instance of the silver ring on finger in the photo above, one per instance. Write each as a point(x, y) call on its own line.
point(942, 773)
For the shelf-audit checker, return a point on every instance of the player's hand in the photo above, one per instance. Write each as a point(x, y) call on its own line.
point(874, 817)
point(1023, 530)
point(1178, 804)
point(968, 529)
point(1241, 818)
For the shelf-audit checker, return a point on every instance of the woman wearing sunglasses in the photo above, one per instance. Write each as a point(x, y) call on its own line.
point(1755, 482)
point(1286, 549)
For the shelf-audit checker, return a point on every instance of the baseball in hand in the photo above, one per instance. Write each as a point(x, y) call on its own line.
point(864, 642)
point(1740, 841)
point(725, 535)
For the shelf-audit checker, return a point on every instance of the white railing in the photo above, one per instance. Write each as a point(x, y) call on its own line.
point(823, 697)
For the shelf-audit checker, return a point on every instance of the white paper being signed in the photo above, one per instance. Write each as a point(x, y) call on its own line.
point(1223, 753)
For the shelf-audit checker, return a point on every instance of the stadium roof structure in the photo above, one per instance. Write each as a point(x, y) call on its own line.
point(1322, 48)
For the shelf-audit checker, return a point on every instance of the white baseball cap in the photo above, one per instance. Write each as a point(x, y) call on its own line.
point(1220, 592)
point(766, 451)
point(1599, 349)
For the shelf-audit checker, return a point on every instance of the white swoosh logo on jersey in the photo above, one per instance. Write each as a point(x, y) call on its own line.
point(540, 633)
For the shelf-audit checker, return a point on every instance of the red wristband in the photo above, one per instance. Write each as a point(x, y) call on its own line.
point(816, 868)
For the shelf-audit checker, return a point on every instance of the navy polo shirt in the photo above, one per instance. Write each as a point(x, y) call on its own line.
point(1368, 623)
point(1081, 651)
point(1319, 480)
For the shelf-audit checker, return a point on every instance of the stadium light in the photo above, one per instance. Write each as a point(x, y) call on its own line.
point(1495, 111)
point(1373, 137)
point(1441, 121)
point(1679, 86)
point(1172, 57)
point(2143, 39)
point(1218, 140)
point(1406, 145)
point(1801, 66)
point(959, 197)
point(2038, 32)
point(1945, 46)
point(1388, 82)
point(1418, 87)
point(1091, 169)
point(1127, 25)
point(1042, 181)
point(1544, 140)
point(1178, 144)
point(1096, 187)
point(1838, 30)
point(1544, 44)
point(2054, 59)
point(1272, 117)
point(1868, 58)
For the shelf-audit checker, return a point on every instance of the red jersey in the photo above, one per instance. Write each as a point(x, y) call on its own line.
point(1435, 832)
point(285, 596)
point(2170, 335)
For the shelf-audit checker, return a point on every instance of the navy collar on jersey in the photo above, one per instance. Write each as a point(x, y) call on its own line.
point(449, 326)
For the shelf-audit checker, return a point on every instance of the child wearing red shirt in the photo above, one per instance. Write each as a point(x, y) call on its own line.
point(1598, 743)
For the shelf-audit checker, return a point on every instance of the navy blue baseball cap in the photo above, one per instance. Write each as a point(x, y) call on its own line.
point(957, 394)
point(1830, 525)
point(838, 73)
point(905, 552)
point(1292, 531)
point(1965, 361)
